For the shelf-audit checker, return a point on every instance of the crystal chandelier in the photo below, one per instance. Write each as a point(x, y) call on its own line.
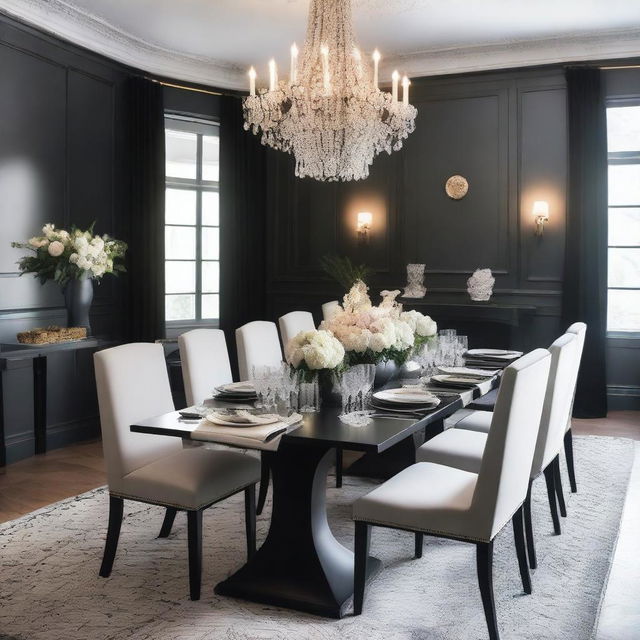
point(330, 115)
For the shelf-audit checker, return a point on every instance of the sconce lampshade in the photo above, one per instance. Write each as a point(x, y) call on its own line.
point(365, 218)
point(541, 208)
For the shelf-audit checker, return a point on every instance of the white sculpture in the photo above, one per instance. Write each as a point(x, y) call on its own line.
point(480, 285)
point(415, 277)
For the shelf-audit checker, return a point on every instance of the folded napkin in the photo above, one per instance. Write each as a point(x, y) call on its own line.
point(260, 436)
point(237, 387)
point(468, 371)
point(242, 417)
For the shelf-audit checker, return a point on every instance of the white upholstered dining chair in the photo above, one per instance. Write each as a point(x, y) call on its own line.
point(205, 363)
point(442, 501)
point(465, 446)
point(292, 323)
point(258, 345)
point(329, 308)
point(133, 384)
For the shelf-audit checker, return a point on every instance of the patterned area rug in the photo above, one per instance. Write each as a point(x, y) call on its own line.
point(50, 589)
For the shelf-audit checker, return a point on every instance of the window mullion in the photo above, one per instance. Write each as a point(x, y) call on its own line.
point(199, 230)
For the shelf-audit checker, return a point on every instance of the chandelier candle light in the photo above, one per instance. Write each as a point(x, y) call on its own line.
point(330, 114)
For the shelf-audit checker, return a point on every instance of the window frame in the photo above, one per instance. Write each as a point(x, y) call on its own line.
point(621, 158)
point(201, 127)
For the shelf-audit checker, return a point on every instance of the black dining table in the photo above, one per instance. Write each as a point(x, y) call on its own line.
point(301, 565)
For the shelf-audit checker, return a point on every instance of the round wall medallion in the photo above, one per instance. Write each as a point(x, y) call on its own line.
point(456, 187)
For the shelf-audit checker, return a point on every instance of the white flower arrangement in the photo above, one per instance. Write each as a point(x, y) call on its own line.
point(371, 334)
point(312, 351)
point(62, 255)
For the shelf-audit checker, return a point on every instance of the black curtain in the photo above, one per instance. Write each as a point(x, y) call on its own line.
point(585, 280)
point(242, 223)
point(146, 162)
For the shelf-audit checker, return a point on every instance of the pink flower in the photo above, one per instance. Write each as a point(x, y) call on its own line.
point(55, 249)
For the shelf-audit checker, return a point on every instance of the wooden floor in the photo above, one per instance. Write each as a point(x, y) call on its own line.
point(42, 480)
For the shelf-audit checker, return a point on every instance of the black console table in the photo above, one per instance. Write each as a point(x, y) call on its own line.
point(488, 324)
point(13, 353)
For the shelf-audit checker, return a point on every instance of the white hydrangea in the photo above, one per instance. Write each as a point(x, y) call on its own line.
point(426, 327)
point(319, 350)
point(378, 342)
point(81, 245)
point(403, 334)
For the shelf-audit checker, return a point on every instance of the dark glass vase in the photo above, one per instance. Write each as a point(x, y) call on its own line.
point(78, 296)
point(385, 371)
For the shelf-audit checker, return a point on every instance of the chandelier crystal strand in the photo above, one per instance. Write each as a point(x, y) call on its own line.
point(330, 114)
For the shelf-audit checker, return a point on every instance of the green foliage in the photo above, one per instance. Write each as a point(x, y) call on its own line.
point(344, 271)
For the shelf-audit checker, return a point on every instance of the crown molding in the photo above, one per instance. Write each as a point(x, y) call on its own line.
point(604, 45)
point(67, 21)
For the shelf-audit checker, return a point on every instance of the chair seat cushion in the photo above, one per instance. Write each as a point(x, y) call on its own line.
point(191, 478)
point(457, 448)
point(423, 497)
point(487, 402)
point(476, 421)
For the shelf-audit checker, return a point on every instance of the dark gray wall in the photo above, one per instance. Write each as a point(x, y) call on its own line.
point(507, 134)
point(61, 161)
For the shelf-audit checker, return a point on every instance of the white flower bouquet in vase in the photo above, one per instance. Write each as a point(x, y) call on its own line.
point(316, 355)
point(72, 259)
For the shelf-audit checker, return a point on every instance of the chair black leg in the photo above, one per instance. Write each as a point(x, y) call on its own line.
point(557, 481)
point(338, 467)
point(167, 524)
point(250, 519)
point(419, 544)
point(362, 539)
point(116, 506)
point(194, 529)
point(484, 564)
point(568, 452)
point(531, 547)
point(518, 535)
point(265, 472)
point(551, 493)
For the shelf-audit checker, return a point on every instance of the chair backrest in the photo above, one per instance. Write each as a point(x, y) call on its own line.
point(205, 363)
point(258, 345)
point(133, 384)
point(329, 308)
point(291, 324)
point(557, 401)
point(504, 472)
point(580, 329)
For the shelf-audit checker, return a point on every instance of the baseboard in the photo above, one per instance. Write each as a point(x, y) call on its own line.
point(22, 445)
point(623, 397)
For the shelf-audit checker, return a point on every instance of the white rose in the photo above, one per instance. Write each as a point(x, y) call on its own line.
point(83, 263)
point(97, 242)
point(38, 242)
point(56, 249)
point(411, 318)
point(49, 230)
point(73, 258)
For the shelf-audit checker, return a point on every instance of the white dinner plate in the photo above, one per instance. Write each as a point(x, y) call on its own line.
point(403, 409)
point(403, 395)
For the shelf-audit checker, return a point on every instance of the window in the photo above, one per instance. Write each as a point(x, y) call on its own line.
point(192, 221)
point(623, 132)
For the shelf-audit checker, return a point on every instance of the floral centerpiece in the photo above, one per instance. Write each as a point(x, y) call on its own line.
point(374, 334)
point(62, 255)
point(72, 259)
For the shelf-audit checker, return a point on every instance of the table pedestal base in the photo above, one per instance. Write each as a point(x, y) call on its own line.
point(300, 565)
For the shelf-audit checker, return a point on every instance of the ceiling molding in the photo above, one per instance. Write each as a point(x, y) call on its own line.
point(67, 21)
point(604, 45)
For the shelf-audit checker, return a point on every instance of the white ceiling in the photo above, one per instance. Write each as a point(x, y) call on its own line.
point(215, 41)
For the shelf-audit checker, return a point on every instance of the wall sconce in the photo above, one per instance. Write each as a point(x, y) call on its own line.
point(541, 213)
point(365, 218)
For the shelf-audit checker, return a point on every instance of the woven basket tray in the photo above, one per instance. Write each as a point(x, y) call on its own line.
point(48, 335)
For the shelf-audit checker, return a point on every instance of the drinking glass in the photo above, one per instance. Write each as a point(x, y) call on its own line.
point(461, 347)
point(355, 385)
point(309, 396)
